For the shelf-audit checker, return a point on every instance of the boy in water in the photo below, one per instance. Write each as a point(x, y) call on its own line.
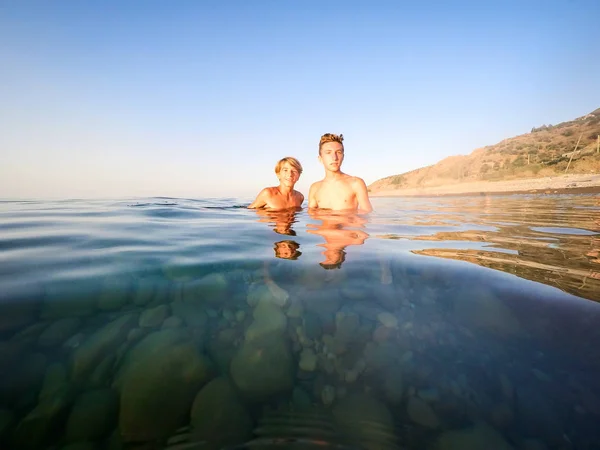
point(288, 170)
point(337, 191)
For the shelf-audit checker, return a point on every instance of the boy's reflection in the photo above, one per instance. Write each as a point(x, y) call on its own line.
point(281, 220)
point(339, 231)
point(287, 250)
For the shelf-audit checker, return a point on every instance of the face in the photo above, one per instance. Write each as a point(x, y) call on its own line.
point(332, 155)
point(288, 175)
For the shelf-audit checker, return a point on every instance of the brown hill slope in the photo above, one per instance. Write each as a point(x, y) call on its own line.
point(545, 151)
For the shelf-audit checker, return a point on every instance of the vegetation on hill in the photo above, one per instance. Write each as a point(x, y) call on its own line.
point(547, 150)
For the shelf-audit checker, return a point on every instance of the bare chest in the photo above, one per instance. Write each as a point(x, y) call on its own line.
point(336, 196)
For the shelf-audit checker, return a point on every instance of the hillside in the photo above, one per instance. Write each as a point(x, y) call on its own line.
point(545, 151)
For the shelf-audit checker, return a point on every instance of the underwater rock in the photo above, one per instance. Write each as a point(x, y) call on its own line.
point(501, 415)
point(82, 446)
point(59, 331)
point(393, 384)
point(308, 360)
point(295, 309)
point(475, 437)
point(430, 395)
point(172, 322)
point(7, 419)
point(210, 289)
point(366, 421)
point(379, 355)
point(18, 309)
point(328, 395)
point(192, 315)
point(114, 442)
point(387, 319)
point(312, 325)
point(116, 291)
point(269, 319)
point(346, 327)
point(159, 341)
point(532, 444)
point(300, 399)
point(157, 388)
point(102, 342)
point(93, 416)
point(153, 317)
point(69, 300)
point(29, 335)
point(218, 417)
point(144, 292)
point(421, 413)
point(101, 374)
point(263, 367)
point(269, 293)
point(43, 423)
point(25, 378)
point(55, 381)
point(478, 307)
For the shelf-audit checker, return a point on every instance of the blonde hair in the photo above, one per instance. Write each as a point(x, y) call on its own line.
point(330, 137)
point(292, 161)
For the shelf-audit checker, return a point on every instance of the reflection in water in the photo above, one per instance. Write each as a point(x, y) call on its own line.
point(541, 239)
point(339, 230)
point(287, 250)
point(281, 221)
point(198, 343)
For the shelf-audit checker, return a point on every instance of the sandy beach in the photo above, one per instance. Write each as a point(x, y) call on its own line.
point(570, 183)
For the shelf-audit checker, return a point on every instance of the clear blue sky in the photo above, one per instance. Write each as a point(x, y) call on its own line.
point(197, 99)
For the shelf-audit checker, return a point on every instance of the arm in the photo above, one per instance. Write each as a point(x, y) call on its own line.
point(362, 196)
point(312, 194)
point(260, 200)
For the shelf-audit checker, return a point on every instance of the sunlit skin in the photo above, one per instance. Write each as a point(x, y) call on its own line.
point(283, 196)
point(338, 191)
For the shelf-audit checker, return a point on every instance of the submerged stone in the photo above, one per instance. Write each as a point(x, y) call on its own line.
point(59, 331)
point(44, 423)
point(98, 345)
point(25, 378)
point(211, 288)
point(158, 385)
point(192, 315)
point(116, 292)
point(93, 415)
point(421, 413)
point(7, 419)
point(366, 421)
point(55, 381)
point(18, 309)
point(219, 417)
point(144, 292)
point(153, 317)
point(476, 437)
point(263, 367)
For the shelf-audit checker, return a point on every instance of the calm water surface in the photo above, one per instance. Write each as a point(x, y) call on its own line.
point(432, 323)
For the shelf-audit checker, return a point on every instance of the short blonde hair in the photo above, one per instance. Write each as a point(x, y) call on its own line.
point(288, 159)
point(330, 137)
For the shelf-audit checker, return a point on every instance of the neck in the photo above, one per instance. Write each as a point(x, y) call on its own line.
point(329, 175)
point(285, 190)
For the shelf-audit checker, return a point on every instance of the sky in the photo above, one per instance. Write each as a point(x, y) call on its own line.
point(199, 99)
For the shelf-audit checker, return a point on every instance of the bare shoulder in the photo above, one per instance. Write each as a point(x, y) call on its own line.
point(357, 182)
point(316, 185)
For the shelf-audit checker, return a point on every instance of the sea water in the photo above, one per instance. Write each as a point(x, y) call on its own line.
point(448, 323)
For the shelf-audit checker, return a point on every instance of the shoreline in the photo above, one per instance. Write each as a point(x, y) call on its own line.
point(561, 184)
